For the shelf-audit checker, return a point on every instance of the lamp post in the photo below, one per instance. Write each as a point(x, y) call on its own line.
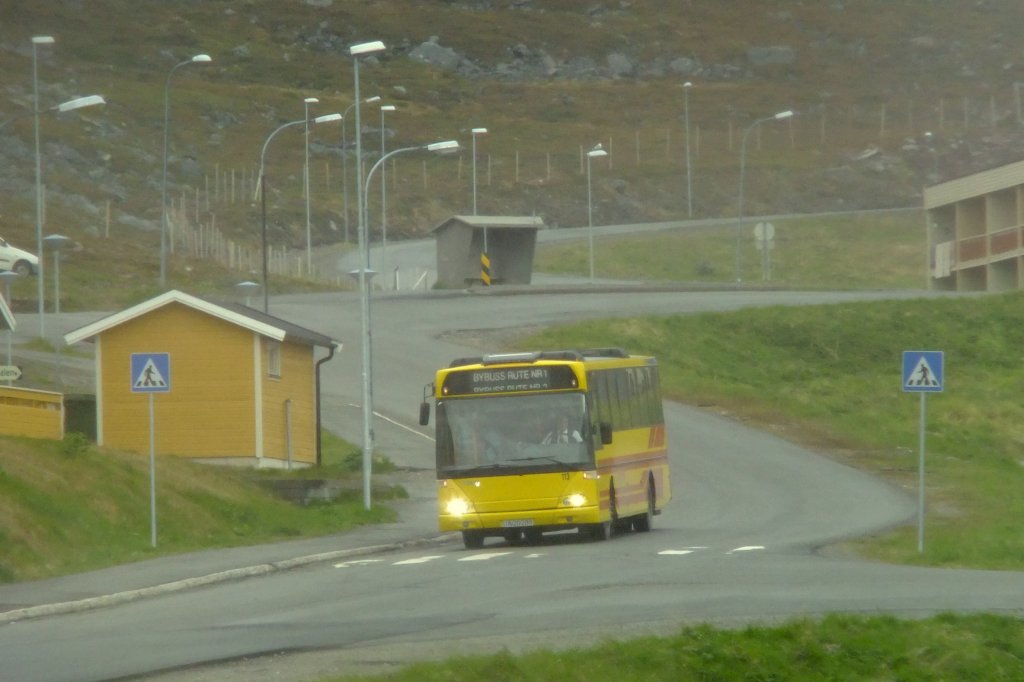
point(306, 192)
point(70, 105)
point(475, 132)
point(8, 276)
point(383, 195)
point(262, 189)
point(363, 275)
point(344, 156)
point(743, 155)
point(36, 42)
point(56, 243)
point(357, 51)
point(594, 153)
point(247, 289)
point(197, 59)
point(689, 176)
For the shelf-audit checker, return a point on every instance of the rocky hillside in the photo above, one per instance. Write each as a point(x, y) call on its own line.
point(889, 95)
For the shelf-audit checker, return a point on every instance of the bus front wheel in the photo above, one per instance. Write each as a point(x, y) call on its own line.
point(472, 539)
point(600, 531)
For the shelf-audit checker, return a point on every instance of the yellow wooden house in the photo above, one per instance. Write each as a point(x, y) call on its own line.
point(241, 385)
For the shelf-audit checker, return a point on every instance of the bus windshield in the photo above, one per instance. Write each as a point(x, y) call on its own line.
point(509, 434)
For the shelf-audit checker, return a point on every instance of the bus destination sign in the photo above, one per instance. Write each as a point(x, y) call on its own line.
point(510, 380)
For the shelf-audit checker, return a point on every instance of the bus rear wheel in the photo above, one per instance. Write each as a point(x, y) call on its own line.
point(643, 522)
point(472, 539)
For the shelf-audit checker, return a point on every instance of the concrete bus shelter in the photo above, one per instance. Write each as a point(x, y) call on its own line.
point(511, 241)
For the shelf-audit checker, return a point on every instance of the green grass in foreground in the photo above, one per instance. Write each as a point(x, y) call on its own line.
point(946, 647)
point(829, 377)
point(67, 507)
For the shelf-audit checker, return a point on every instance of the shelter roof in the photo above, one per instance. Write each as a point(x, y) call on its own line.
point(495, 221)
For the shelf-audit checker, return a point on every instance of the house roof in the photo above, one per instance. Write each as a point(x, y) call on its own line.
point(6, 316)
point(495, 221)
point(240, 315)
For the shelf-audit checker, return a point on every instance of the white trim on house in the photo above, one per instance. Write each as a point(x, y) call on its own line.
point(173, 296)
point(257, 371)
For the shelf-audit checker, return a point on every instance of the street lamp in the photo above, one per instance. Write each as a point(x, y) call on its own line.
point(475, 132)
point(262, 189)
point(56, 243)
point(197, 59)
point(70, 105)
point(594, 153)
point(36, 42)
point(363, 275)
point(247, 289)
point(383, 195)
point(357, 51)
point(689, 177)
point(743, 155)
point(344, 155)
point(306, 192)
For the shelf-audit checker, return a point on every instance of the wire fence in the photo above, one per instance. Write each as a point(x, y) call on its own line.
point(193, 227)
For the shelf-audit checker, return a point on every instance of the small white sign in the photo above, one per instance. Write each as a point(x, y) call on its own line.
point(10, 372)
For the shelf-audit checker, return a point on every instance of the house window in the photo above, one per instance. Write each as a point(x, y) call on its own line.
point(274, 359)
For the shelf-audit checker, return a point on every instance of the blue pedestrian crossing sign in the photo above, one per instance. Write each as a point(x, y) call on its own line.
point(151, 372)
point(922, 371)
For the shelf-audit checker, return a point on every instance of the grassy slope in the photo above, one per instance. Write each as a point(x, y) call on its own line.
point(68, 507)
point(829, 377)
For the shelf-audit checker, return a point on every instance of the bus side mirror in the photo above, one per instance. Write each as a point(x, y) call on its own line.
point(606, 433)
point(424, 413)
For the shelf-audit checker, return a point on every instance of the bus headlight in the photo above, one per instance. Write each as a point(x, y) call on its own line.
point(457, 506)
point(575, 500)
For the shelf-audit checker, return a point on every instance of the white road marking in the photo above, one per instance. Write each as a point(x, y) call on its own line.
point(746, 548)
point(675, 552)
point(357, 562)
point(484, 557)
point(418, 560)
point(533, 556)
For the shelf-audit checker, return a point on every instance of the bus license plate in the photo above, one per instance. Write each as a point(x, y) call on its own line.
point(516, 523)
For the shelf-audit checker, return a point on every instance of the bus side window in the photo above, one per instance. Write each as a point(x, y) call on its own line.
point(600, 412)
point(625, 415)
point(659, 415)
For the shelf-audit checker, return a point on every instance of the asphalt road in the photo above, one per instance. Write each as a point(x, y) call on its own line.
point(740, 543)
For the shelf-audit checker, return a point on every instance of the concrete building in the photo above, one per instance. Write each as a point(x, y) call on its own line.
point(976, 231)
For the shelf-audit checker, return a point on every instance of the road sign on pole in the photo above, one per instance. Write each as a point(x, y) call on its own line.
point(151, 373)
point(10, 372)
point(923, 373)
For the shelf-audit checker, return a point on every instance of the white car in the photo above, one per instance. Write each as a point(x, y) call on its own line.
point(17, 260)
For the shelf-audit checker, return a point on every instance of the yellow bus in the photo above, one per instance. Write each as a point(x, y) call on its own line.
point(528, 443)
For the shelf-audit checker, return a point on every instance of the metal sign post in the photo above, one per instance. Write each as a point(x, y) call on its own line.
point(923, 373)
point(151, 373)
